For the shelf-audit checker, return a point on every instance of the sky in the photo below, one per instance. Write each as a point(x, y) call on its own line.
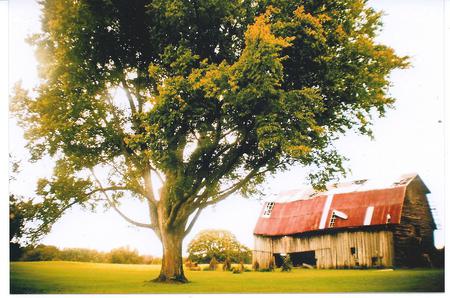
point(409, 139)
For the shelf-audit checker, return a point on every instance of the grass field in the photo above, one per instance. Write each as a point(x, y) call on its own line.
point(72, 277)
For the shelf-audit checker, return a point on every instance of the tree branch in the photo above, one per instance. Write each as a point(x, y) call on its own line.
point(158, 175)
point(229, 191)
point(129, 97)
point(127, 152)
point(112, 188)
point(137, 93)
point(191, 224)
point(113, 204)
point(139, 224)
point(116, 169)
point(148, 186)
point(35, 234)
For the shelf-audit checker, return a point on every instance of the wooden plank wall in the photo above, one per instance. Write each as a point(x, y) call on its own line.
point(332, 250)
point(413, 237)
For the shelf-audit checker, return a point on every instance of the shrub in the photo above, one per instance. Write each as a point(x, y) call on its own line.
point(255, 266)
point(287, 264)
point(41, 253)
point(213, 264)
point(271, 266)
point(125, 255)
point(15, 251)
point(196, 268)
point(236, 270)
point(227, 264)
point(192, 266)
point(437, 258)
point(241, 266)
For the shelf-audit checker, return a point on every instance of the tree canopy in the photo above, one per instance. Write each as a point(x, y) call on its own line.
point(206, 96)
point(218, 244)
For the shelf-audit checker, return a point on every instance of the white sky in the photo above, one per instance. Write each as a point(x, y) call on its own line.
point(409, 139)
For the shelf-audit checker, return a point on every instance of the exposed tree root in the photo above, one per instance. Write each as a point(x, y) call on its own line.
point(178, 279)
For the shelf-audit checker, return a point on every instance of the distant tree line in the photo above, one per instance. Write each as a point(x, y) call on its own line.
point(122, 255)
point(20, 212)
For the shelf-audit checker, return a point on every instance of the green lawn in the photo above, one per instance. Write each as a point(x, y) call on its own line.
point(72, 277)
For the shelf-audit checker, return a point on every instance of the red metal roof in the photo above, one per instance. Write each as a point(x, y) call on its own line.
point(306, 214)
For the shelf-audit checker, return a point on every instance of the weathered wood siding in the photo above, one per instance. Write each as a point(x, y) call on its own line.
point(413, 237)
point(332, 250)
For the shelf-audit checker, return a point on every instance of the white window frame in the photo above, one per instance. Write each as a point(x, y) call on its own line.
point(332, 220)
point(335, 215)
point(268, 207)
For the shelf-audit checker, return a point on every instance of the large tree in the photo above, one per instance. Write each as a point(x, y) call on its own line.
point(207, 96)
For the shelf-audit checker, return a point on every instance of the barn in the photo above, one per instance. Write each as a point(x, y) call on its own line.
point(359, 224)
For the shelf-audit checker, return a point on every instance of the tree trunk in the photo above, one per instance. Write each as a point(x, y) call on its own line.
point(172, 262)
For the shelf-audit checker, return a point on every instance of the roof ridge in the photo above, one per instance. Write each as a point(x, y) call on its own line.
point(357, 185)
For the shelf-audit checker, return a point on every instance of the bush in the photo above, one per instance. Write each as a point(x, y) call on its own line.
point(255, 266)
point(195, 268)
point(124, 255)
point(82, 255)
point(151, 260)
point(271, 266)
point(241, 266)
point(287, 264)
point(213, 264)
point(438, 258)
point(191, 266)
point(41, 253)
point(236, 270)
point(15, 251)
point(226, 264)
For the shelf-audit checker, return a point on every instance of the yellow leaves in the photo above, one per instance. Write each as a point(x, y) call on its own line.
point(211, 79)
point(154, 71)
point(259, 65)
point(323, 17)
point(315, 22)
point(260, 32)
point(340, 32)
point(301, 15)
point(299, 150)
point(311, 25)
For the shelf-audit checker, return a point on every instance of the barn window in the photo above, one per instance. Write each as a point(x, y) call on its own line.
point(353, 250)
point(336, 214)
point(332, 220)
point(268, 209)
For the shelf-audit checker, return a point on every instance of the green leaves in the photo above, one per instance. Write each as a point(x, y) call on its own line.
point(218, 244)
point(211, 94)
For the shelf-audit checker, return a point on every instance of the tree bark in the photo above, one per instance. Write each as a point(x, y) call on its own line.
point(172, 262)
